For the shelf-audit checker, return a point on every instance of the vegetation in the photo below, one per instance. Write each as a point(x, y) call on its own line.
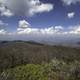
point(32, 61)
point(56, 70)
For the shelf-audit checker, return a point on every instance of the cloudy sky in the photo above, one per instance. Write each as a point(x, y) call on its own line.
point(28, 19)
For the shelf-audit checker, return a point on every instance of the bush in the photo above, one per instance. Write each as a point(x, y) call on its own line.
point(56, 70)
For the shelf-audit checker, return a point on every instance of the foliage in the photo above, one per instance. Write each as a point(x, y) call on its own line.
point(16, 53)
point(32, 61)
point(55, 70)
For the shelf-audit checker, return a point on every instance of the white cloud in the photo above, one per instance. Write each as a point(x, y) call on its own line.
point(41, 8)
point(71, 15)
point(69, 2)
point(2, 31)
point(59, 28)
point(24, 7)
point(23, 24)
point(4, 11)
point(75, 30)
point(24, 28)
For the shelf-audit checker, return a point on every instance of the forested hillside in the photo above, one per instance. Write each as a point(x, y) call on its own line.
point(21, 60)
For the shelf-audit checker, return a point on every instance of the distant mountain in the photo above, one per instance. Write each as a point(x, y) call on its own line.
point(69, 43)
point(19, 41)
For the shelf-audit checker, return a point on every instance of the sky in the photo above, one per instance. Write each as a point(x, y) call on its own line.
point(47, 19)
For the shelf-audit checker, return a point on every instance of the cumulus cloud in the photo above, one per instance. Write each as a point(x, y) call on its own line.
point(75, 30)
point(2, 31)
point(69, 2)
point(71, 15)
point(24, 28)
point(23, 24)
point(4, 11)
point(24, 7)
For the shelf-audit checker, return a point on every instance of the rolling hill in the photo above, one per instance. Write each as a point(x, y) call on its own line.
point(23, 52)
point(18, 57)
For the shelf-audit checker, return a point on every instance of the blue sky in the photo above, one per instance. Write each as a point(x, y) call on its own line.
point(40, 15)
point(57, 16)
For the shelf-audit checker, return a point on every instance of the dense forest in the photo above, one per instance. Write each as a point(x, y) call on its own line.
point(24, 60)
